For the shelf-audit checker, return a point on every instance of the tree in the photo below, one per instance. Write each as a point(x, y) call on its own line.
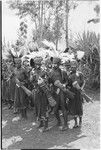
point(32, 8)
point(52, 24)
point(41, 11)
point(58, 21)
point(22, 34)
point(68, 5)
point(67, 10)
point(35, 9)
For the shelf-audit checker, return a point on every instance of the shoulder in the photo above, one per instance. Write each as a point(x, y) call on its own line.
point(24, 72)
point(52, 72)
point(80, 73)
point(43, 71)
point(64, 72)
point(72, 76)
point(22, 69)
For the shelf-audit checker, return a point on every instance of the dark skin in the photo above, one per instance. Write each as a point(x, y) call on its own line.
point(74, 69)
point(34, 76)
point(18, 64)
point(23, 81)
point(26, 63)
point(60, 99)
point(55, 66)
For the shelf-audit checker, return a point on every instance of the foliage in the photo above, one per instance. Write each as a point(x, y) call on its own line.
point(90, 43)
point(44, 13)
point(87, 38)
point(22, 35)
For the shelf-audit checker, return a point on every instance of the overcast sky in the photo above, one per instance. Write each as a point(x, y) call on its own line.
point(77, 20)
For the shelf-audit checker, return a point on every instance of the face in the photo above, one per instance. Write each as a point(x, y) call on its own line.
point(11, 67)
point(73, 68)
point(26, 63)
point(68, 68)
point(18, 64)
point(55, 66)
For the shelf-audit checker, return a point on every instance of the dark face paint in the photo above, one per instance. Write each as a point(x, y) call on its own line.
point(67, 67)
point(18, 65)
point(73, 69)
point(26, 63)
point(55, 66)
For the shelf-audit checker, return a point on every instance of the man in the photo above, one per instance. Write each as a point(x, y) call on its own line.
point(76, 84)
point(21, 99)
point(12, 84)
point(5, 86)
point(41, 101)
point(67, 67)
point(28, 68)
point(48, 65)
point(58, 78)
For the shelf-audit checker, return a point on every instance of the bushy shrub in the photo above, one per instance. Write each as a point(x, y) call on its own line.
point(90, 43)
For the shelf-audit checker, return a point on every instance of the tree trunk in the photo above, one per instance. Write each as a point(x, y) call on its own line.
point(39, 3)
point(39, 15)
point(43, 13)
point(41, 23)
point(56, 19)
point(57, 44)
point(66, 23)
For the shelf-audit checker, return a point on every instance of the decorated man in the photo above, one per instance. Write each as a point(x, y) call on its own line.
point(42, 95)
point(4, 82)
point(21, 99)
point(76, 83)
point(59, 78)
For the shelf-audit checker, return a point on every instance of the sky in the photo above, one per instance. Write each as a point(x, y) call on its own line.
point(79, 17)
point(77, 20)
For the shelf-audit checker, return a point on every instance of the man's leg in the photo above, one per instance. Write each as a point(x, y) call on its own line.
point(80, 120)
point(65, 118)
point(45, 124)
point(76, 124)
point(56, 112)
point(25, 113)
point(41, 124)
point(64, 111)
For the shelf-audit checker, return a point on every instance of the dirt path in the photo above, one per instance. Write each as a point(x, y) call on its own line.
point(21, 135)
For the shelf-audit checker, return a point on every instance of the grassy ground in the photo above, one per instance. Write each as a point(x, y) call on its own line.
point(25, 135)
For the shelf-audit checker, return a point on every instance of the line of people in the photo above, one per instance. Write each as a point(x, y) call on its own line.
point(48, 87)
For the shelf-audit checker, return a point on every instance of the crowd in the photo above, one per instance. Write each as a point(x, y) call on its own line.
point(46, 85)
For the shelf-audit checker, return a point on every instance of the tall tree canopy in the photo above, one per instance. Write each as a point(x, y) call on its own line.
point(47, 16)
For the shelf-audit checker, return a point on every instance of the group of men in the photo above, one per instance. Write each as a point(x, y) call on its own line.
point(49, 86)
